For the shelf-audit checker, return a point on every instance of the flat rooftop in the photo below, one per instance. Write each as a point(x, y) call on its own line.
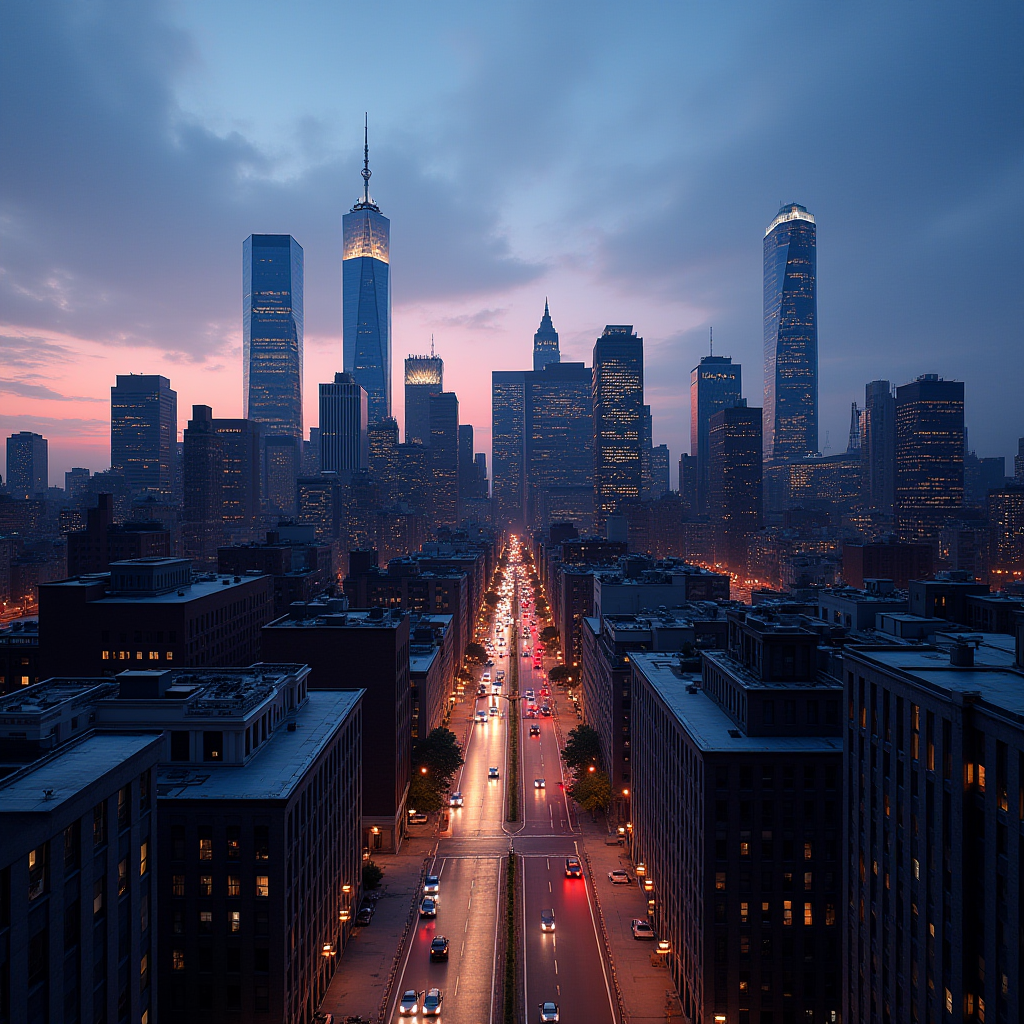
point(421, 657)
point(68, 770)
point(278, 768)
point(708, 725)
point(361, 618)
point(742, 675)
point(42, 697)
point(203, 586)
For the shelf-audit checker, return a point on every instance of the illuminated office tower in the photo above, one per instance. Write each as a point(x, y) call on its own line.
point(424, 376)
point(272, 333)
point(790, 336)
point(929, 455)
point(618, 399)
point(343, 439)
point(143, 432)
point(27, 465)
point(715, 383)
point(444, 458)
point(734, 481)
point(366, 297)
point(508, 416)
point(545, 342)
point(382, 444)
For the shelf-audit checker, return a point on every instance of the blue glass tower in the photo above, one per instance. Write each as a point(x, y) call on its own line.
point(366, 298)
point(272, 333)
point(790, 336)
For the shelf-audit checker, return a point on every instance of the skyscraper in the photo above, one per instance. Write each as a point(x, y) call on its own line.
point(424, 376)
point(202, 531)
point(545, 342)
point(929, 455)
point(143, 432)
point(239, 472)
point(272, 333)
point(366, 297)
point(618, 396)
point(467, 468)
point(382, 442)
point(444, 458)
point(27, 469)
point(878, 446)
point(343, 438)
point(659, 471)
point(790, 336)
point(508, 425)
point(734, 481)
point(715, 383)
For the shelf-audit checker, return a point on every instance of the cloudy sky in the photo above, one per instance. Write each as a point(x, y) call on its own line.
point(622, 159)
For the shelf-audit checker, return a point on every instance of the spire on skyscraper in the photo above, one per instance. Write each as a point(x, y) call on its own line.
point(366, 203)
point(545, 341)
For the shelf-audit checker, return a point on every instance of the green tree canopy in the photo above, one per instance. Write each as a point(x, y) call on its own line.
point(592, 791)
point(372, 874)
point(548, 633)
point(491, 598)
point(440, 754)
point(561, 674)
point(582, 749)
point(476, 652)
point(424, 794)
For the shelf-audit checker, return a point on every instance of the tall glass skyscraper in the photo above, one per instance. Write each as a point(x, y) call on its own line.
point(715, 383)
point(424, 376)
point(508, 425)
point(790, 336)
point(272, 333)
point(545, 342)
point(366, 298)
point(344, 445)
point(144, 432)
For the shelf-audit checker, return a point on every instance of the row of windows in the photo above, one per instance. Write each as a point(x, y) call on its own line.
point(766, 914)
point(232, 889)
point(232, 842)
point(139, 656)
point(767, 776)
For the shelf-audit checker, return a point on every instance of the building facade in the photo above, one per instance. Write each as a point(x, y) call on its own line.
point(443, 411)
point(734, 481)
point(508, 461)
point(715, 383)
point(790, 336)
point(143, 432)
point(545, 342)
point(344, 445)
point(878, 446)
point(27, 465)
point(424, 376)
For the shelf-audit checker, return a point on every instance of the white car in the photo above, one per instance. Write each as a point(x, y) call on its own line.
point(432, 1003)
point(431, 885)
point(455, 800)
point(549, 1013)
point(618, 877)
point(538, 784)
point(410, 1003)
point(642, 930)
point(492, 773)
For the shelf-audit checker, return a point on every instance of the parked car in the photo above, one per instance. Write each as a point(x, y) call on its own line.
point(573, 867)
point(642, 930)
point(365, 915)
point(439, 948)
point(428, 908)
point(417, 817)
point(547, 920)
point(618, 877)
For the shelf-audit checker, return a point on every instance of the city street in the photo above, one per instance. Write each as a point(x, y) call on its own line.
point(566, 965)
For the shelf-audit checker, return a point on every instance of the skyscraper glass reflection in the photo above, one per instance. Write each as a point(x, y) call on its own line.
point(790, 336)
point(143, 432)
point(366, 298)
point(272, 333)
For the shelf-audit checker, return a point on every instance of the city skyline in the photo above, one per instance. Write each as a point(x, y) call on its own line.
point(77, 316)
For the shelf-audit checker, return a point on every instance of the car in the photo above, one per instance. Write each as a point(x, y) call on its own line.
point(538, 784)
point(365, 915)
point(490, 662)
point(545, 710)
point(547, 920)
point(534, 730)
point(432, 1003)
point(641, 929)
point(417, 817)
point(439, 948)
point(486, 677)
point(410, 1003)
point(573, 867)
point(455, 800)
point(618, 877)
point(526, 653)
point(428, 908)
point(481, 716)
point(492, 773)
point(493, 710)
point(431, 885)
point(549, 1013)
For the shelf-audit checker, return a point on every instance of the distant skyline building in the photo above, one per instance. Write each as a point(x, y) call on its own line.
point(143, 432)
point(790, 336)
point(444, 458)
point(660, 473)
point(424, 376)
point(343, 415)
point(545, 342)
point(618, 396)
point(735, 481)
point(715, 383)
point(366, 297)
point(272, 326)
point(508, 425)
point(878, 446)
point(467, 468)
point(929, 455)
point(27, 464)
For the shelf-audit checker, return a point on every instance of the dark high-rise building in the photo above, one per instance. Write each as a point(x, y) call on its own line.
point(734, 481)
point(618, 396)
point(646, 444)
point(143, 432)
point(878, 446)
point(659, 471)
point(559, 437)
point(480, 466)
point(467, 468)
point(715, 383)
point(1018, 462)
point(343, 437)
point(508, 426)
point(545, 342)
point(444, 458)
point(790, 336)
point(240, 442)
point(688, 480)
point(929, 455)
point(27, 472)
point(366, 297)
point(272, 333)
point(382, 442)
point(424, 376)
point(282, 464)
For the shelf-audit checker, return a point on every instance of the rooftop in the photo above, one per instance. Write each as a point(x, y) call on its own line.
point(707, 724)
point(202, 585)
point(38, 699)
point(284, 760)
point(314, 615)
point(68, 770)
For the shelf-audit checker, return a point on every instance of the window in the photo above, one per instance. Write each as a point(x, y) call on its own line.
point(144, 911)
point(178, 922)
point(99, 891)
point(144, 971)
point(234, 842)
point(744, 844)
point(234, 885)
point(766, 913)
point(144, 790)
point(71, 847)
point(205, 922)
point(261, 842)
point(177, 842)
point(744, 913)
point(261, 998)
point(213, 746)
point(177, 885)
point(787, 913)
point(807, 851)
point(261, 961)
point(124, 807)
point(122, 876)
point(830, 914)
point(206, 885)
point(262, 926)
point(99, 824)
point(768, 712)
point(72, 926)
point(144, 857)
point(720, 881)
point(178, 960)
point(234, 921)
point(37, 872)
point(205, 843)
point(808, 881)
point(808, 914)
point(262, 885)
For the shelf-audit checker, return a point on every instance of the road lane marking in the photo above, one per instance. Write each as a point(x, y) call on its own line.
point(549, 887)
point(556, 967)
point(457, 984)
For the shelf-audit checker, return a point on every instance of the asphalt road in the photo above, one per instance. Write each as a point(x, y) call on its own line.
point(568, 965)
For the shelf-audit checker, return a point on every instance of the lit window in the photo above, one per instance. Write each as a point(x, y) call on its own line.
point(235, 921)
point(144, 970)
point(205, 922)
point(206, 885)
point(808, 914)
point(720, 881)
point(106, 655)
point(170, 655)
point(809, 881)
point(262, 885)
point(744, 913)
point(807, 851)
point(178, 960)
point(787, 912)
point(144, 857)
point(177, 885)
point(830, 914)
point(234, 885)
point(154, 655)
point(122, 877)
